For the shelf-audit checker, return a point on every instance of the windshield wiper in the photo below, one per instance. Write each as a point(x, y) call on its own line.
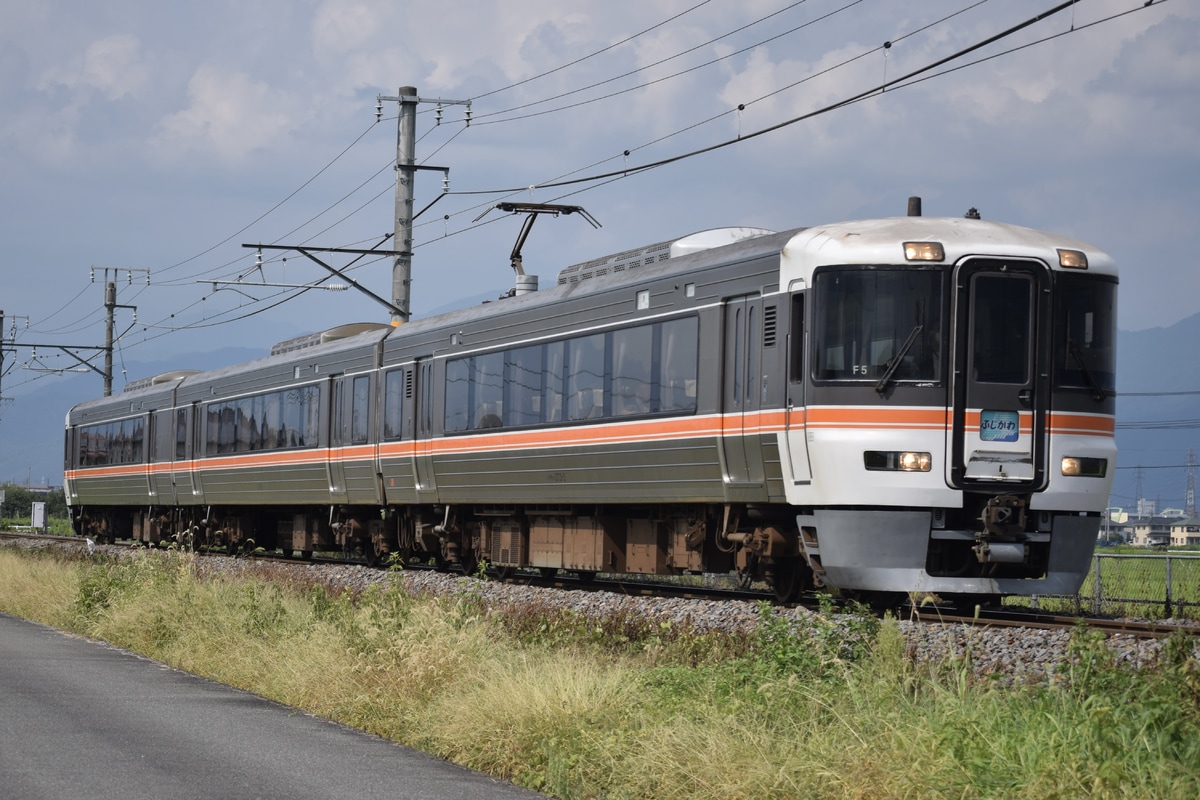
point(886, 380)
point(1077, 353)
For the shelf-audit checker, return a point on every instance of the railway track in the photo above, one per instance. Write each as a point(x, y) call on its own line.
point(1024, 618)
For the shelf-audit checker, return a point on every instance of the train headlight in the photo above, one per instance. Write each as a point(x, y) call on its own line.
point(1084, 467)
point(924, 251)
point(897, 461)
point(1072, 259)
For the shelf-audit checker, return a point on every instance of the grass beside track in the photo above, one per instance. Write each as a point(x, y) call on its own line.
point(622, 708)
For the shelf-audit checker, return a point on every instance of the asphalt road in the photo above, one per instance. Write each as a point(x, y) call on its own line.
point(80, 719)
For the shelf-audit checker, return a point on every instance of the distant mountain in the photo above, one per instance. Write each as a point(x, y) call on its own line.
point(1158, 412)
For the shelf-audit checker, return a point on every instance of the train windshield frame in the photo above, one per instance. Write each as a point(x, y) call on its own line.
point(867, 316)
point(1085, 333)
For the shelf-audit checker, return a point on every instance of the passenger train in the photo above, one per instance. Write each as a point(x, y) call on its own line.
point(902, 405)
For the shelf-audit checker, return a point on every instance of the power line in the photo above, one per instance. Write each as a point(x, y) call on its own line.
point(878, 89)
point(273, 208)
point(661, 61)
point(601, 51)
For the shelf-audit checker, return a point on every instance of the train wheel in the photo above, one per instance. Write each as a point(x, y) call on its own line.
point(375, 556)
point(789, 578)
point(547, 572)
point(504, 573)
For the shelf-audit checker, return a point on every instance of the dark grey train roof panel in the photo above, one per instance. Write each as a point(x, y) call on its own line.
point(656, 253)
point(322, 337)
point(165, 377)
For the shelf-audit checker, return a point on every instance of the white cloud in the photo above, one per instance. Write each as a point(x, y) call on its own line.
point(114, 66)
point(230, 116)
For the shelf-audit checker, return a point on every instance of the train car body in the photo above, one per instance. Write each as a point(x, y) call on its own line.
point(896, 405)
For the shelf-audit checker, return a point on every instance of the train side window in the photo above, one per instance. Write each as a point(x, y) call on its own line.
point(180, 434)
point(487, 385)
point(360, 408)
point(523, 386)
point(585, 377)
point(393, 393)
point(796, 356)
point(244, 426)
point(311, 405)
point(631, 380)
point(301, 416)
point(271, 428)
point(678, 350)
point(458, 394)
point(553, 377)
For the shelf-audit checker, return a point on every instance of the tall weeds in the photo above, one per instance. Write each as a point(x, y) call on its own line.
point(624, 708)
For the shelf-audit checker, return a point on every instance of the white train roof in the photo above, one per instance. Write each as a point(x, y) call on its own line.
point(879, 241)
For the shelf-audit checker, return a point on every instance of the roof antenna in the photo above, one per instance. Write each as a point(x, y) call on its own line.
point(914, 206)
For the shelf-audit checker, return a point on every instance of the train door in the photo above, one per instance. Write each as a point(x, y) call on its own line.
point(179, 452)
point(742, 383)
point(423, 475)
point(998, 421)
point(152, 456)
point(796, 438)
point(161, 469)
point(339, 437)
point(198, 451)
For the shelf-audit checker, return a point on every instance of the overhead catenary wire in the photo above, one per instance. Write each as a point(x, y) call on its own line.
point(482, 119)
point(860, 96)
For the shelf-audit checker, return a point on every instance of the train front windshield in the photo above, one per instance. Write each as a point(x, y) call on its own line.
point(869, 317)
point(1085, 347)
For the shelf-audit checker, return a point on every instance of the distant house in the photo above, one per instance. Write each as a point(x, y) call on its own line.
point(1185, 532)
point(1152, 531)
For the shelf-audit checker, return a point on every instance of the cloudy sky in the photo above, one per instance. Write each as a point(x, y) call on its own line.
point(159, 136)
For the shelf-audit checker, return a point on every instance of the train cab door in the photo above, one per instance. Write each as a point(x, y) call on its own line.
point(339, 437)
point(998, 417)
point(423, 475)
point(796, 438)
point(742, 381)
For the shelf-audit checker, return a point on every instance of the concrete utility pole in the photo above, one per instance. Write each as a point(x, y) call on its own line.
point(406, 169)
point(110, 303)
point(406, 154)
point(1, 357)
